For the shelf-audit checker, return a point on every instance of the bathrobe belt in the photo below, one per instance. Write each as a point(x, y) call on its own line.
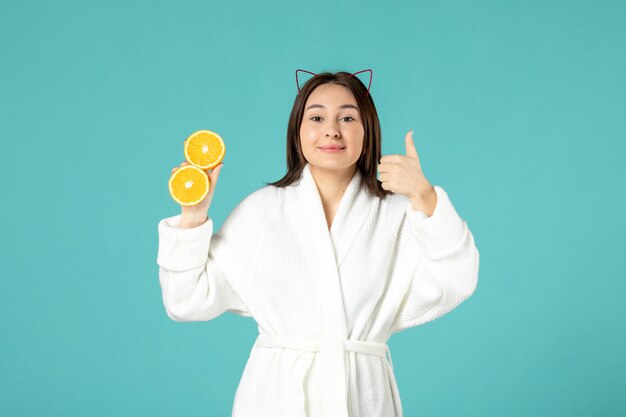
point(334, 370)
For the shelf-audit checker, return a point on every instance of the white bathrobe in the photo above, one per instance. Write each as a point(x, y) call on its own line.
point(325, 301)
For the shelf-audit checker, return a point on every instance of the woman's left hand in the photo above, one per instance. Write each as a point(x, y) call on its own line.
point(403, 175)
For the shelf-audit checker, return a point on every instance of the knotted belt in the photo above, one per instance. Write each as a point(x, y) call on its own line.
point(333, 364)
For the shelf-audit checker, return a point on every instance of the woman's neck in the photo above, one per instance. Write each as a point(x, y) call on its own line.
point(332, 184)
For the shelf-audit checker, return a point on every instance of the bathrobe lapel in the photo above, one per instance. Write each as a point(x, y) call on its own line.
point(350, 217)
point(326, 250)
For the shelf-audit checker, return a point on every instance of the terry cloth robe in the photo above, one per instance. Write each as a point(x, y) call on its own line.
point(325, 301)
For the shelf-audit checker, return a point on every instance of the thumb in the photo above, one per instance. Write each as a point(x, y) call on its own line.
point(410, 146)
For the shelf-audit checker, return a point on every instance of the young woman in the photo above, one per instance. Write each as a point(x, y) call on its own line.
point(329, 261)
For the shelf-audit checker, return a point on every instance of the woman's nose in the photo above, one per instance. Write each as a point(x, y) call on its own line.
point(332, 131)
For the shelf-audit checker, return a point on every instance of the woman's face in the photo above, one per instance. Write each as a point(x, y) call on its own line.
point(331, 132)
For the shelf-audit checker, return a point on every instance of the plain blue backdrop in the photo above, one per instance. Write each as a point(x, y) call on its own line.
point(518, 110)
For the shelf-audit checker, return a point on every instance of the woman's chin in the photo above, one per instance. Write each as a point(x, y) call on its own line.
point(337, 164)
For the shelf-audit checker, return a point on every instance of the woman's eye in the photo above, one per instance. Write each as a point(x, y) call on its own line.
point(315, 118)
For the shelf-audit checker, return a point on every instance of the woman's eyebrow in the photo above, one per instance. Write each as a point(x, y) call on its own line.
point(352, 106)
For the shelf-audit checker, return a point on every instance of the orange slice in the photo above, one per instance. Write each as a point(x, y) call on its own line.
point(204, 149)
point(189, 185)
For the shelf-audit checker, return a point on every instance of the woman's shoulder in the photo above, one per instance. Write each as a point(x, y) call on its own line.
point(264, 195)
point(394, 208)
point(260, 202)
point(395, 204)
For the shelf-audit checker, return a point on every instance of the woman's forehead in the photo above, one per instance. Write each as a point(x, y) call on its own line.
point(331, 95)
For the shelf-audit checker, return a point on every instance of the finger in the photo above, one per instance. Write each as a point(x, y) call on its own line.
point(391, 159)
point(411, 152)
point(384, 167)
point(215, 173)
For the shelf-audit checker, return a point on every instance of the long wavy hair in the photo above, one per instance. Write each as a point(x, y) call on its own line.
point(367, 163)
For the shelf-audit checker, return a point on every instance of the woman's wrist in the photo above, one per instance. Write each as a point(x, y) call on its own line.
point(425, 201)
point(188, 222)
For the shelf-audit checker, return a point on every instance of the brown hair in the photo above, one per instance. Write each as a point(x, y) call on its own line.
point(367, 163)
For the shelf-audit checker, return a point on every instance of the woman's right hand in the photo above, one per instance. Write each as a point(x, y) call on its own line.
point(196, 215)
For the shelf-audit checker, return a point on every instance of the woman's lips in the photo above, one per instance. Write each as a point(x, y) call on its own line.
point(331, 150)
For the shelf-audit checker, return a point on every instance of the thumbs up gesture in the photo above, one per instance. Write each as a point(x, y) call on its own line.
point(403, 175)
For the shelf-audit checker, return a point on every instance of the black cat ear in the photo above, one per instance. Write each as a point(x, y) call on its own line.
point(370, 82)
point(301, 70)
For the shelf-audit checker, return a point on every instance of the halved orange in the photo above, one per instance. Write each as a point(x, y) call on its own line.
point(204, 149)
point(189, 185)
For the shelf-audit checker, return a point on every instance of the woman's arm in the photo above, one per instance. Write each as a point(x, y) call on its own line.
point(447, 271)
point(193, 286)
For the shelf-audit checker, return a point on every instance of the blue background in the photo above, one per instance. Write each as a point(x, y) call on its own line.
point(518, 110)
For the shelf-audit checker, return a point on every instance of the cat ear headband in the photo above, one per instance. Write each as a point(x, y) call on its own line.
point(368, 86)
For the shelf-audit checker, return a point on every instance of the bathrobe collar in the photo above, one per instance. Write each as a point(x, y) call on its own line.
point(328, 249)
point(350, 216)
point(324, 252)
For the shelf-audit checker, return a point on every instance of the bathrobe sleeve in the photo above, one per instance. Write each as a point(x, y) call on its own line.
point(198, 268)
point(447, 268)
